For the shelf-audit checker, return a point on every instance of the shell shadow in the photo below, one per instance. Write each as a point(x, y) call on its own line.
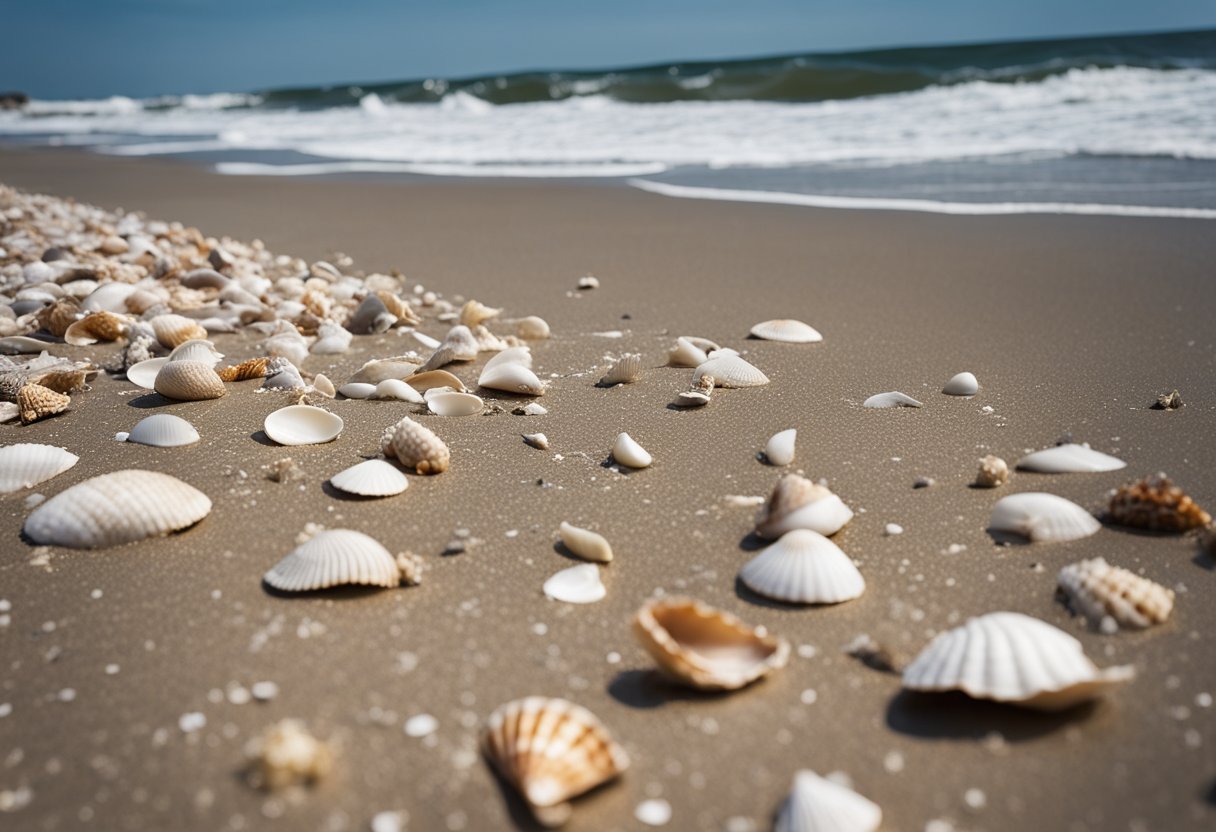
point(648, 689)
point(517, 808)
point(561, 549)
point(752, 542)
point(744, 593)
point(337, 593)
point(1001, 538)
point(1204, 560)
point(954, 715)
point(261, 438)
point(149, 401)
point(617, 468)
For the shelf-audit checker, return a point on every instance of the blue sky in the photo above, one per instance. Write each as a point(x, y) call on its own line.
point(91, 48)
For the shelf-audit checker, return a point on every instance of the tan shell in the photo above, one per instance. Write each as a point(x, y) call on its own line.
point(532, 328)
point(37, 402)
point(798, 503)
point(1156, 503)
point(285, 754)
point(705, 647)
point(416, 446)
point(189, 381)
point(56, 317)
point(398, 307)
point(993, 472)
point(474, 313)
point(174, 330)
point(94, 327)
point(62, 381)
point(1098, 590)
point(435, 378)
point(251, 368)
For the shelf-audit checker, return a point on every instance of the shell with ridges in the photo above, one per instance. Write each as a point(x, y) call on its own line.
point(174, 330)
point(804, 567)
point(189, 381)
point(779, 450)
point(94, 327)
point(302, 424)
point(511, 378)
point(1070, 458)
point(789, 331)
point(35, 402)
point(1097, 590)
point(250, 368)
point(1157, 504)
point(893, 399)
point(337, 557)
point(626, 451)
point(163, 430)
point(731, 371)
point(585, 543)
point(24, 465)
point(1042, 517)
point(626, 370)
point(416, 446)
point(371, 478)
point(197, 350)
point(816, 804)
point(798, 503)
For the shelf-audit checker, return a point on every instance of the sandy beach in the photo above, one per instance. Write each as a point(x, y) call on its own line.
point(1073, 325)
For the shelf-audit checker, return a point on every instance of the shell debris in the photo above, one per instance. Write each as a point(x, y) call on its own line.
point(537, 440)
point(1155, 503)
point(993, 472)
point(286, 754)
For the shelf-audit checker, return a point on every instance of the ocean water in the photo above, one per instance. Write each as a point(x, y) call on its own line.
point(1118, 125)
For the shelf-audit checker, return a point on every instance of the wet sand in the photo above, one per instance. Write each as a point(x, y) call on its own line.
point(1071, 324)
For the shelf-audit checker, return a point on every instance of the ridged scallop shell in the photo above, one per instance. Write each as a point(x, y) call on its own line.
point(532, 328)
point(1157, 504)
point(1069, 459)
point(451, 403)
point(686, 354)
point(197, 350)
point(174, 330)
point(804, 567)
point(779, 450)
point(337, 557)
point(94, 327)
point(372, 478)
point(1042, 517)
point(163, 430)
point(705, 647)
point(551, 751)
point(250, 368)
point(302, 424)
point(35, 402)
point(626, 370)
point(585, 543)
point(731, 371)
point(789, 331)
point(962, 384)
point(416, 446)
point(993, 472)
point(893, 399)
point(511, 355)
point(798, 503)
point(189, 381)
point(511, 378)
point(626, 451)
point(120, 507)
point(1013, 658)
point(816, 804)
point(24, 465)
point(475, 312)
point(576, 585)
point(1097, 590)
point(144, 372)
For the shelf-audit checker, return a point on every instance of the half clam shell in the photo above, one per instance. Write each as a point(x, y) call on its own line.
point(302, 424)
point(24, 465)
point(1042, 517)
point(804, 567)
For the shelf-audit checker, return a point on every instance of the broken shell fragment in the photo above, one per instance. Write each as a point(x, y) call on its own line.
point(626, 451)
point(35, 402)
point(189, 381)
point(730, 371)
point(779, 450)
point(576, 585)
point(1070, 458)
point(626, 370)
point(1042, 517)
point(789, 331)
point(993, 472)
point(451, 403)
point(893, 399)
point(285, 755)
point(537, 440)
point(416, 446)
point(798, 503)
point(1168, 401)
point(588, 282)
point(1155, 503)
point(336, 557)
point(163, 430)
point(804, 567)
point(302, 424)
point(816, 804)
point(25, 465)
point(511, 378)
point(371, 478)
point(963, 384)
point(1099, 591)
point(585, 543)
point(94, 327)
point(686, 354)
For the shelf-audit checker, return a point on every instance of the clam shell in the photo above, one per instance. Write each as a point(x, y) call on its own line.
point(337, 557)
point(197, 350)
point(705, 647)
point(816, 804)
point(120, 507)
point(512, 378)
point(626, 370)
point(24, 465)
point(302, 424)
point(35, 402)
point(1013, 658)
point(551, 750)
point(372, 478)
point(376, 371)
point(163, 430)
point(993, 472)
point(686, 354)
point(357, 390)
point(804, 567)
point(626, 451)
point(789, 331)
point(532, 328)
point(1099, 591)
point(798, 503)
point(144, 373)
point(189, 381)
point(893, 399)
point(585, 543)
point(512, 355)
point(962, 384)
point(1068, 459)
point(576, 585)
point(1042, 517)
point(324, 386)
point(454, 404)
point(730, 371)
point(779, 450)
point(1157, 504)
point(416, 446)
point(174, 330)
point(395, 388)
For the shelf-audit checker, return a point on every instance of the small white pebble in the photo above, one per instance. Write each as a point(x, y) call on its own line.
point(67, 695)
point(122, 436)
point(6, 708)
point(1203, 700)
point(95, 594)
point(893, 529)
point(264, 691)
point(421, 725)
point(615, 658)
point(390, 821)
point(655, 812)
point(191, 722)
point(975, 799)
point(111, 670)
point(809, 696)
point(893, 762)
point(807, 651)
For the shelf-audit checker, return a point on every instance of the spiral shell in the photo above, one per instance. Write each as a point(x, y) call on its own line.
point(416, 446)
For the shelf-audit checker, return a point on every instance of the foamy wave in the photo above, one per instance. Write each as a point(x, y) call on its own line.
point(520, 171)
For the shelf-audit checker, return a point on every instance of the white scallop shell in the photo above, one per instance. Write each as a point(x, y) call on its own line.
point(686, 354)
point(395, 388)
point(163, 430)
point(816, 804)
point(302, 424)
point(1070, 459)
point(893, 399)
point(804, 567)
point(513, 378)
point(962, 384)
point(626, 370)
point(451, 403)
point(1042, 517)
point(730, 371)
point(115, 508)
point(144, 372)
point(1010, 657)
point(585, 543)
point(576, 585)
point(357, 390)
point(780, 448)
point(336, 557)
point(798, 503)
point(627, 452)
point(789, 331)
point(372, 478)
point(513, 355)
point(1099, 591)
point(24, 465)
point(197, 349)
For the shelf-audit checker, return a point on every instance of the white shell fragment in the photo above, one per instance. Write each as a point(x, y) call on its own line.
point(588, 282)
point(451, 403)
point(511, 378)
point(144, 373)
point(24, 465)
point(1042, 517)
point(163, 430)
point(804, 567)
point(537, 440)
point(893, 399)
point(686, 354)
point(962, 384)
point(197, 349)
point(336, 557)
point(626, 451)
point(1070, 458)
point(1013, 658)
point(798, 503)
point(395, 388)
point(1104, 593)
point(585, 543)
point(816, 804)
point(730, 371)
point(371, 478)
point(116, 508)
point(358, 390)
point(302, 424)
point(780, 448)
point(789, 331)
point(576, 585)
point(626, 370)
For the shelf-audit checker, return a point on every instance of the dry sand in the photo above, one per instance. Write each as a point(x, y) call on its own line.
point(1071, 324)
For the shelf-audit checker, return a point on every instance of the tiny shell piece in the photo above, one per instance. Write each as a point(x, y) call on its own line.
point(1070, 458)
point(302, 424)
point(963, 384)
point(804, 567)
point(993, 472)
point(163, 430)
point(1157, 504)
point(189, 381)
point(780, 448)
point(1098, 590)
point(576, 585)
point(25, 465)
point(626, 370)
point(36, 402)
point(626, 451)
point(371, 478)
point(893, 399)
point(1042, 517)
point(588, 282)
point(585, 543)
point(816, 804)
point(286, 754)
point(789, 331)
point(416, 446)
point(798, 503)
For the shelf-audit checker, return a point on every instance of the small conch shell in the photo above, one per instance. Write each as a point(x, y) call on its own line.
point(706, 647)
point(816, 804)
point(286, 754)
point(336, 557)
point(1099, 591)
point(789, 331)
point(551, 750)
point(174, 330)
point(626, 370)
point(36, 402)
point(626, 451)
point(189, 381)
point(993, 472)
point(94, 327)
point(416, 446)
point(1156, 503)
point(780, 447)
point(251, 368)
point(892, 399)
point(730, 370)
point(302, 424)
point(532, 328)
point(798, 503)
point(25, 465)
point(474, 313)
point(1042, 517)
point(1070, 458)
point(962, 384)
point(512, 378)
point(585, 543)
point(371, 478)
point(804, 567)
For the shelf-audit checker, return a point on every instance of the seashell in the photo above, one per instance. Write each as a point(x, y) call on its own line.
point(116, 508)
point(35, 402)
point(1168, 401)
point(56, 317)
point(204, 279)
point(458, 345)
point(780, 448)
point(372, 478)
point(551, 750)
point(378, 370)
point(426, 340)
point(302, 424)
point(705, 647)
point(1070, 458)
point(290, 345)
point(94, 327)
point(1098, 591)
point(395, 388)
point(686, 354)
point(532, 328)
point(197, 350)
point(454, 404)
point(816, 804)
point(24, 465)
point(63, 380)
point(331, 340)
point(1042, 517)
point(691, 398)
point(337, 557)
point(475, 312)
point(1157, 504)
point(109, 297)
point(415, 446)
point(531, 409)
point(804, 567)
point(626, 370)
point(588, 282)
point(798, 503)
point(585, 543)
point(993, 472)
point(399, 308)
point(174, 330)
point(322, 385)
point(251, 368)
point(893, 399)
point(962, 384)
point(9, 411)
point(730, 371)
point(512, 378)
point(357, 390)
point(537, 440)
point(285, 377)
point(22, 345)
point(1013, 658)
point(144, 373)
point(576, 585)
point(371, 317)
point(789, 331)
point(626, 451)
point(721, 352)
point(435, 378)
point(189, 381)
point(512, 355)
point(285, 754)
point(163, 430)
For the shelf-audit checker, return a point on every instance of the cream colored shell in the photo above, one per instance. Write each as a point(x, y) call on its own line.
point(1042, 517)
point(798, 503)
point(25, 465)
point(804, 567)
point(332, 558)
point(416, 446)
point(816, 804)
point(585, 543)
